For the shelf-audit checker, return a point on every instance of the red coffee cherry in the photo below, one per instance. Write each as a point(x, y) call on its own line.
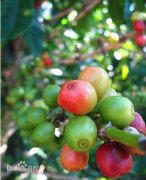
point(37, 3)
point(140, 40)
point(47, 60)
point(138, 123)
point(113, 160)
point(77, 97)
point(8, 73)
point(72, 160)
point(139, 26)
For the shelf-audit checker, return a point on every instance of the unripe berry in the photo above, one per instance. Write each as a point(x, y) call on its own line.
point(113, 38)
point(37, 115)
point(110, 92)
point(112, 160)
point(72, 160)
point(98, 78)
point(43, 133)
point(117, 109)
point(23, 123)
point(80, 133)
point(50, 95)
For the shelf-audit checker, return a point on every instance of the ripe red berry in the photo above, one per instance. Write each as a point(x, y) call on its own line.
point(38, 3)
point(138, 123)
point(139, 26)
point(113, 160)
point(72, 160)
point(7, 73)
point(77, 97)
point(140, 40)
point(47, 60)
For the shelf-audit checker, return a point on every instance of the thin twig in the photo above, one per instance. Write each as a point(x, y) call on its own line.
point(59, 15)
point(49, 175)
point(87, 8)
point(107, 48)
point(65, 12)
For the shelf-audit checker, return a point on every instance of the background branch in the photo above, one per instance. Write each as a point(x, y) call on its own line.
point(107, 48)
point(87, 8)
point(84, 11)
point(49, 175)
point(59, 15)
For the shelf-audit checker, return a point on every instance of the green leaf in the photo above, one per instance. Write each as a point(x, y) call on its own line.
point(34, 37)
point(9, 13)
point(140, 5)
point(116, 11)
point(24, 18)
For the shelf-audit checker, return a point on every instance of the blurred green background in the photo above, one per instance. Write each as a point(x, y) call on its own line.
point(75, 34)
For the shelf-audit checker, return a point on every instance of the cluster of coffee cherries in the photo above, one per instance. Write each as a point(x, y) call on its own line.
point(139, 27)
point(84, 98)
point(33, 122)
point(92, 92)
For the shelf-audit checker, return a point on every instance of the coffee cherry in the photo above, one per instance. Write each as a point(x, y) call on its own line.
point(33, 143)
point(37, 115)
point(80, 133)
point(26, 133)
point(72, 160)
point(47, 60)
point(30, 94)
point(110, 92)
point(139, 26)
point(140, 40)
point(112, 160)
point(117, 109)
point(138, 123)
point(138, 16)
point(8, 73)
point(40, 103)
point(50, 95)
point(11, 100)
point(52, 145)
point(43, 133)
point(113, 38)
point(77, 97)
point(98, 78)
point(23, 123)
point(17, 92)
point(38, 3)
